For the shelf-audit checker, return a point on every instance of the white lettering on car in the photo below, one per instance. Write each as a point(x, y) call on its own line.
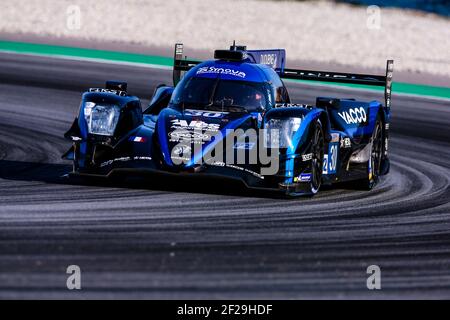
point(354, 115)
point(268, 59)
point(206, 114)
point(227, 71)
point(195, 124)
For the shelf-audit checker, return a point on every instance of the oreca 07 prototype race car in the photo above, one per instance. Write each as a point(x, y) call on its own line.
point(232, 117)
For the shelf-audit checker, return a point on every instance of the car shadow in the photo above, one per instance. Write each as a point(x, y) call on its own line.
point(58, 174)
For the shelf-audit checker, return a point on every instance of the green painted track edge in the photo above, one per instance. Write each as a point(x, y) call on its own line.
point(167, 62)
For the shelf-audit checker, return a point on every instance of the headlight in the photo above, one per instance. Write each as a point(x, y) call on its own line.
point(279, 132)
point(101, 119)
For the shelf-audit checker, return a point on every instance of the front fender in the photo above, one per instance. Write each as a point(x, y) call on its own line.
point(302, 135)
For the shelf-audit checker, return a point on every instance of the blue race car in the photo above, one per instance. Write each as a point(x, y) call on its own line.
point(232, 118)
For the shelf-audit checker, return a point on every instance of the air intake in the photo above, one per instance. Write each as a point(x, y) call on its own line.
point(116, 85)
point(230, 55)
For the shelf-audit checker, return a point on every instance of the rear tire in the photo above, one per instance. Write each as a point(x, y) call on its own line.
point(317, 151)
point(374, 162)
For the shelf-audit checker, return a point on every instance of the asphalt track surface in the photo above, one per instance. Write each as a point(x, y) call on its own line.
point(174, 239)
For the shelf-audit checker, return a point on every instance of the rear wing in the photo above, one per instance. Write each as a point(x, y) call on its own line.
point(182, 65)
point(338, 77)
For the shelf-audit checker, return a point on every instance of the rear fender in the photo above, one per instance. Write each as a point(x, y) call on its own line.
point(355, 118)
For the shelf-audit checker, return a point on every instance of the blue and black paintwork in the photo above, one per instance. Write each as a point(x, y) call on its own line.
point(142, 140)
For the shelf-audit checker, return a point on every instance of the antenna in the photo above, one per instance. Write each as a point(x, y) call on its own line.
point(234, 47)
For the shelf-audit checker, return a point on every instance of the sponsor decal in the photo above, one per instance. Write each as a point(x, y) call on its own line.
point(222, 164)
point(195, 131)
point(307, 157)
point(303, 177)
point(181, 152)
point(325, 164)
point(123, 159)
point(195, 124)
point(181, 149)
point(256, 174)
point(292, 105)
point(215, 70)
point(244, 145)
point(143, 158)
point(346, 143)
point(195, 137)
point(205, 114)
point(109, 162)
point(138, 139)
point(268, 59)
point(182, 159)
point(218, 164)
point(354, 115)
point(102, 90)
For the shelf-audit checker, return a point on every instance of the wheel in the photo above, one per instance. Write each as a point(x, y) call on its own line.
point(374, 162)
point(317, 158)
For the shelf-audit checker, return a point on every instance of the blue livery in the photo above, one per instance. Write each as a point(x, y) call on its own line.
point(232, 117)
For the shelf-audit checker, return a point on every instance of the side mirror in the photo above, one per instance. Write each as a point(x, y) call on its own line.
point(324, 102)
point(160, 99)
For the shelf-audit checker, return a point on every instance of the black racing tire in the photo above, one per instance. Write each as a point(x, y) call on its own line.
point(375, 159)
point(317, 150)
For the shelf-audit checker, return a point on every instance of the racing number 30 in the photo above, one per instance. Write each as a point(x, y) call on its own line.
point(333, 152)
point(330, 160)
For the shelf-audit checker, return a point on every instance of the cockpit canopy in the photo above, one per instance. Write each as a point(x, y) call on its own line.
point(227, 86)
point(222, 95)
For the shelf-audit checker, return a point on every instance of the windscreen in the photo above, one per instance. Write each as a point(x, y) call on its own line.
point(219, 94)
